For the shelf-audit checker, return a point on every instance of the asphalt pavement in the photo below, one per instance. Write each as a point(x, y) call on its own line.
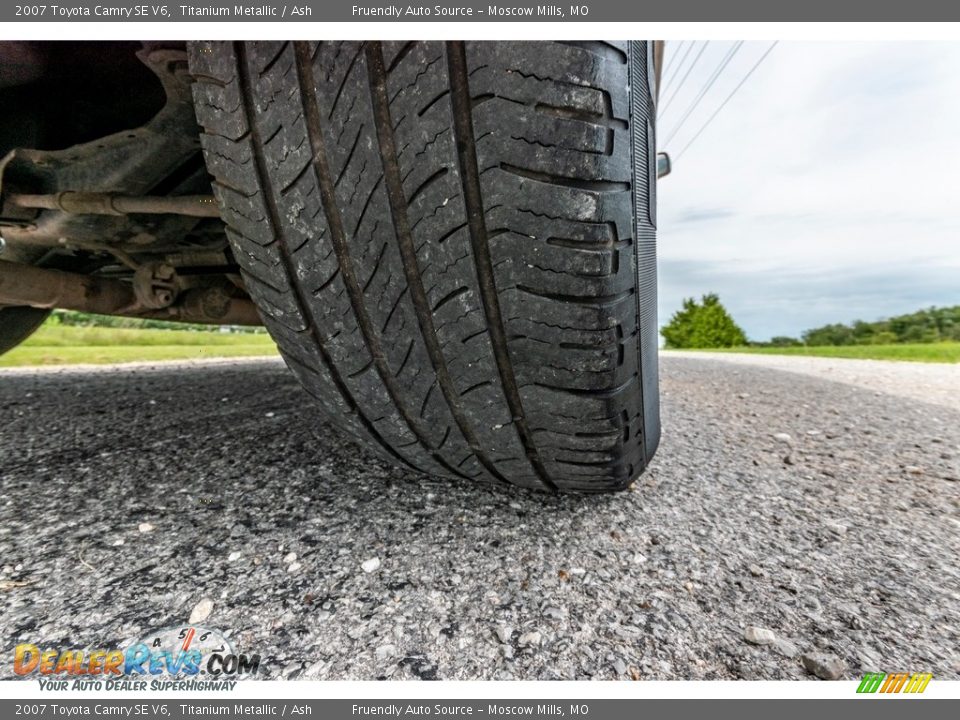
point(790, 526)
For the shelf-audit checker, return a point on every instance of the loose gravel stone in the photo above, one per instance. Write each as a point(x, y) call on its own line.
point(758, 635)
point(530, 639)
point(825, 667)
point(201, 611)
point(371, 565)
point(385, 652)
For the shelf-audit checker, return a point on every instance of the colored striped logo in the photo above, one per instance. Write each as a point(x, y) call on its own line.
point(894, 682)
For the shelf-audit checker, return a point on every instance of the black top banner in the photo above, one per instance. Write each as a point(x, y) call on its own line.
point(471, 11)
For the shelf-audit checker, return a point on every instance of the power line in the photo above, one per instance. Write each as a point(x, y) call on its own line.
point(734, 92)
point(679, 66)
point(666, 103)
point(706, 88)
point(669, 62)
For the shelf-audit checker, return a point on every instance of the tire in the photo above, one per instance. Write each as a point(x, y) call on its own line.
point(453, 244)
point(19, 323)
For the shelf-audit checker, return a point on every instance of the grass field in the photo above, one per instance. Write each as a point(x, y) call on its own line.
point(945, 352)
point(63, 345)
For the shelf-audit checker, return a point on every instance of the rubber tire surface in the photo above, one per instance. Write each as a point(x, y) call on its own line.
point(19, 323)
point(453, 244)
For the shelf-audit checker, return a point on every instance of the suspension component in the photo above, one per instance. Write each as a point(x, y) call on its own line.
point(25, 285)
point(91, 203)
point(155, 284)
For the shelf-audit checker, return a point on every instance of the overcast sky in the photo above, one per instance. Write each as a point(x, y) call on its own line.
point(827, 190)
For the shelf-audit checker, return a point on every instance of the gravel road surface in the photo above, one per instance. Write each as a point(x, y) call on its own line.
point(790, 527)
point(937, 383)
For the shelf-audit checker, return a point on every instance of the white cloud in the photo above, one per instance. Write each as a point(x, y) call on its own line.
point(824, 191)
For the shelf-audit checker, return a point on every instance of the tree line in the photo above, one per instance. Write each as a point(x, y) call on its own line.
point(935, 324)
point(707, 324)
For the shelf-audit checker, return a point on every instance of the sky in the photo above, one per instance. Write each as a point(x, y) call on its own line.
point(826, 190)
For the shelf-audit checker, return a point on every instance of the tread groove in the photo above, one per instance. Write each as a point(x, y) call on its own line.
point(425, 184)
point(418, 295)
point(609, 186)
point(338, 238)
point(303, 306)
point(470, 180)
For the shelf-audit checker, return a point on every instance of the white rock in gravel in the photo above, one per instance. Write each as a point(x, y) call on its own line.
point(234, 556)
point(825, 667)
point(293, 567)
point(835, 527)
point(316, 670)
point(914, 470)
point(385, 652)
point(503, 633)
point(371, 565)
point(145, 527)
point(758, 635)
point(530, 639)
point(201, 611)
point(289, 558)
point(783, 437)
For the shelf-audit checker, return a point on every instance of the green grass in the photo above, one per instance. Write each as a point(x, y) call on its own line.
point(63, 345)
point(943, 352)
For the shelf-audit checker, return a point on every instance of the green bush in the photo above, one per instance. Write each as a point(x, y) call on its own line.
point(704, 324)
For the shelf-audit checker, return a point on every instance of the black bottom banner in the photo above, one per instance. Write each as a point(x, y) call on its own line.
point(874, 708)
